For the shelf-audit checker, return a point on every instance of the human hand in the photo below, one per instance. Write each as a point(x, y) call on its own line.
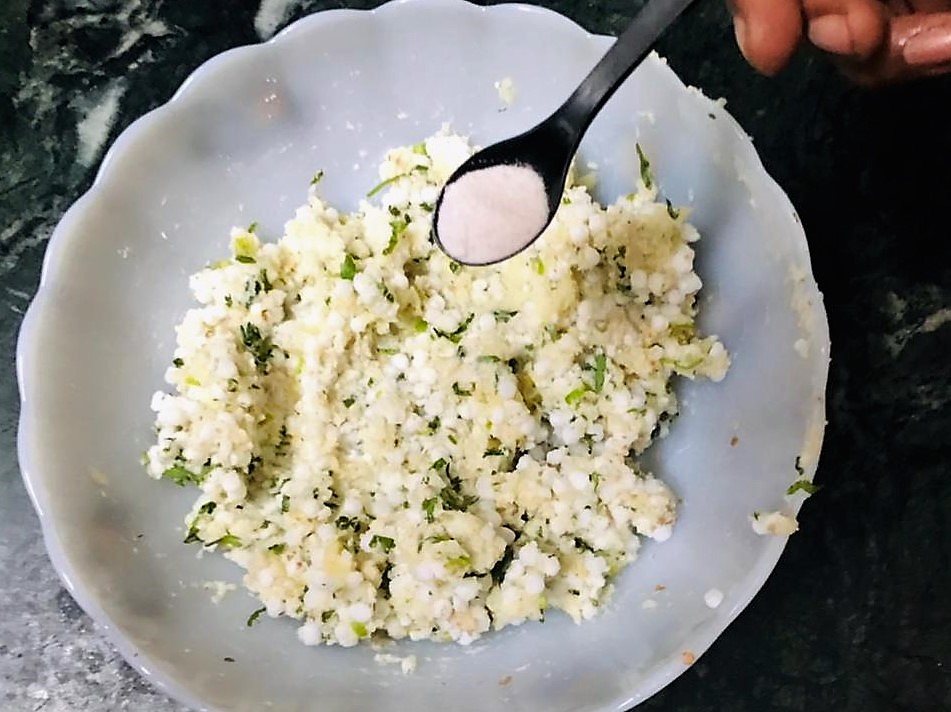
point(872, 41)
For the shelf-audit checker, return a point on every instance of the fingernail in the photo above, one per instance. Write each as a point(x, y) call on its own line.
point(739, 29)
point(830, 33)
point(928, 47)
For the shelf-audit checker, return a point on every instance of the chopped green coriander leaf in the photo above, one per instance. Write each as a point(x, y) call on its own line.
point(318, 176)
point(180, 476)
point(452, 495)
point(384, 542)
point(565, 200)
point(427, 207)
point(253, 618)
point(458, 563)
point(246, 245)
point(264, 281)
point(420, 325)
point(284, 440)
point(276, 548)
point(420, 149)
point(576, 395)
point(394, 241)
point(192, 536)
point(452, 438)
point(359, 628)
point(326, 616)
point(285, 504)
point(685, 365)
point(803, 486)
point(595, 479)
point(397, 228)
point(494, 448)
point(348, 269)
point(387, 294)
point(208, 508)
point(178, 363)
point(347, 402)
point(382, 184)
point(259, 346)
point(683, 332)
point(229, 302)
point(488, 358)
point(433, 425)
point(583, 545)
point(349, 523)
point(245, 259)
point(253, 228)
point(502, 565)
point(673, 212)
point(454, 266)
point(453, 498)
point(600, 368)
point(460, 391)
point(228, 540)
point(647, 177)
point(502, 316)
point(429, 506)
point(455, 336)
point(538, 265)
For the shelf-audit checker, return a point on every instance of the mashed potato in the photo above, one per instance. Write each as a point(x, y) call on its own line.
point(390, 443)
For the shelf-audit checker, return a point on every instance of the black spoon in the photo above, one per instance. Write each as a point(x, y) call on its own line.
point(549, 147)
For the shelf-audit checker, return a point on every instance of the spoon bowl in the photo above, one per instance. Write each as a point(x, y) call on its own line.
point(543, 150)
point(549, 147)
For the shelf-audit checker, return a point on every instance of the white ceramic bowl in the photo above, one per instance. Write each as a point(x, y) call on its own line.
point(239, 142)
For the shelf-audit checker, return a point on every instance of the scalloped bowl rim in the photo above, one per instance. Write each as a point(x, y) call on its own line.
point(662, 674)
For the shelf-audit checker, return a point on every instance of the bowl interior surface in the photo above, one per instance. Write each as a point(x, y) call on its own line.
point(238, 144)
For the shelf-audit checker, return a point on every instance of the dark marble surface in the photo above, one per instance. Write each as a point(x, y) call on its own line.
point(857, 616)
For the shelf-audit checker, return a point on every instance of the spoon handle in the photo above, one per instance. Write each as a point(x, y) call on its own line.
point(630, 49)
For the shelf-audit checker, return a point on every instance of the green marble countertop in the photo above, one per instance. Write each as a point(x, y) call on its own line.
point(856, 616)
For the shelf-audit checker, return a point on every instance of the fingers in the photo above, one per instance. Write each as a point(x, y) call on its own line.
point(767, 31)
point(872, 41)
point(857, 29)
point(926, 6)
point(923, 40)
point(918, 46)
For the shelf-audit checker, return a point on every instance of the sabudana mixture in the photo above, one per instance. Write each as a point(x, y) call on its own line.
point(390, 443)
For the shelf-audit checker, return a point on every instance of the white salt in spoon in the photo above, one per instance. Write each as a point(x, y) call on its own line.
point(499, 201)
